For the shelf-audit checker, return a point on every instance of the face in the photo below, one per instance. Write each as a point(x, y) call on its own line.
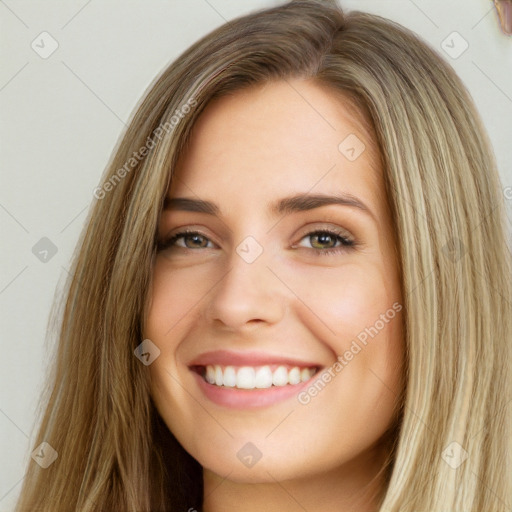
point(275, 298)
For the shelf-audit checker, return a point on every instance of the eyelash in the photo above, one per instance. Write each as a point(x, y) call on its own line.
point(347, 244)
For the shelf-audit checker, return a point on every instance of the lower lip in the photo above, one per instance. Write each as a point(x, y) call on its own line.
point(248, 398)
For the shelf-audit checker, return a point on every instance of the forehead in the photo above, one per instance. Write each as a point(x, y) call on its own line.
point(275, 140)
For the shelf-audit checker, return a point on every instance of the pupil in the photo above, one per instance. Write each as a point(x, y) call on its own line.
point(324, 239)
point(196, 240)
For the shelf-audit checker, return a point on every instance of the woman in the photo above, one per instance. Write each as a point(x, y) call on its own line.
point(293, 291)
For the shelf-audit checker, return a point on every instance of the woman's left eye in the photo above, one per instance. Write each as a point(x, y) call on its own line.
point(327, 241)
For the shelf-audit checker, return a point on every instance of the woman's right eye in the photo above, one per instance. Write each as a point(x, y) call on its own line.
point(187, 240)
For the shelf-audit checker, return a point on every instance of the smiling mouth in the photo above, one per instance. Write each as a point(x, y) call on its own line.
point(254, 377)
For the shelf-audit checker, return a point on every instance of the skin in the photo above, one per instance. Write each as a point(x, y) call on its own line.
point(248, 149)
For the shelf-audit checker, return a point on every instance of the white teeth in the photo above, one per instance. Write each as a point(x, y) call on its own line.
point(210, 374)
point(305, 374)
point(245, 378)
point(219, 380)
point(294, 376)
point(261, 377)
point(229, 378)
point(280, 377)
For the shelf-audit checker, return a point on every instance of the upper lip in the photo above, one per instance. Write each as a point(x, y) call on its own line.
point(247, 358)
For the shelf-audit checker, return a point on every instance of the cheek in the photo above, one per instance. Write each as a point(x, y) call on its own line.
point(170, 312)
point(356, 312)
point(342, 302)
point(174, 298)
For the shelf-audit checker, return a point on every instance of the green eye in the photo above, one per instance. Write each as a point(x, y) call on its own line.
point(327, 241)
point(320, 240)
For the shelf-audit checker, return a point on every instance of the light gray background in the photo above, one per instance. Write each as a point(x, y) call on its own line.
point(61, 117)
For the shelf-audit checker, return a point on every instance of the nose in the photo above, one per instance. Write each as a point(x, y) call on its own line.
point(249, 294)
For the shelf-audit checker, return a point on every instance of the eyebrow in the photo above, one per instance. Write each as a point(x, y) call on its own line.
point(287, 205)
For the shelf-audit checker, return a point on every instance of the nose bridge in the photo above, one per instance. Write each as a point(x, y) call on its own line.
point(248, 291)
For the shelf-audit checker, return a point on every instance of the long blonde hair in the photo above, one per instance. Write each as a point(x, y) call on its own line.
point(454, 444)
